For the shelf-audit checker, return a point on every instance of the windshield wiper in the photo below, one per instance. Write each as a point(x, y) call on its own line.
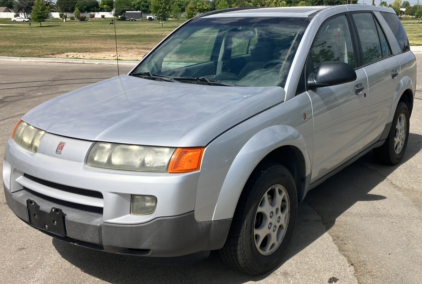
point(147, 75)
point(202, 80)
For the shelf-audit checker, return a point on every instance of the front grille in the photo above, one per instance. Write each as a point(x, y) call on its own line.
point(63, 202)
point(66, 188)
point(86, 208)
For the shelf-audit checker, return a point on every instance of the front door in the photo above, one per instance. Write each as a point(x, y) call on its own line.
point(339, 111)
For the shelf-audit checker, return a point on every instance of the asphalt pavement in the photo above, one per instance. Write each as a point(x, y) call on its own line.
point(363, 225)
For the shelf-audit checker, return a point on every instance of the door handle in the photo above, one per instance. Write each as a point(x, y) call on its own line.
point(394, 73)
point(359, 89)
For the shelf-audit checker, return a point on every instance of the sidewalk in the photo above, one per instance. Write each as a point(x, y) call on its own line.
point(414, 49)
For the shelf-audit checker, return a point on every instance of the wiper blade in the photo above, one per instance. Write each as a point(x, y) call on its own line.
point(153, 76)
point(202, 80)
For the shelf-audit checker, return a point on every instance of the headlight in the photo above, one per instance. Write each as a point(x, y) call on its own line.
point(28, 136)
point(129, 157)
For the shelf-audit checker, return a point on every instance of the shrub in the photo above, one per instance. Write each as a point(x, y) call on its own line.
point(77, 13)
point(102, 16)
point(72, 18)
point(122, 18)
point(82, 18)
point(92, 16)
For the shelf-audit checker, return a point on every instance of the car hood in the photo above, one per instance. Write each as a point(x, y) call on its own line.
point(132, 110)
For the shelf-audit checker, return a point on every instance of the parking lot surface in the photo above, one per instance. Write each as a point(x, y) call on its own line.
point(364, 225)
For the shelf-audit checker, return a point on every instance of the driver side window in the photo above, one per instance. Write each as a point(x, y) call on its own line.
point(333, 43)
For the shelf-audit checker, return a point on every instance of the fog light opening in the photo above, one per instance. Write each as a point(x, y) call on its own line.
point(142, 204)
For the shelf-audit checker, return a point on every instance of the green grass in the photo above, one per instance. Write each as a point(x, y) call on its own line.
point(95, 36)
point(56, 38)
point(414, 31)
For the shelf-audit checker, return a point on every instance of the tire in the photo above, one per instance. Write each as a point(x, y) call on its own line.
point(392, 151)
point(251, 246)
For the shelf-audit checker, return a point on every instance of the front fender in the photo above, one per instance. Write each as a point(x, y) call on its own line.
point(252, 153)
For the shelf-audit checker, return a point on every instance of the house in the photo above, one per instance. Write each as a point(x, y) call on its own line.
point(5, 10)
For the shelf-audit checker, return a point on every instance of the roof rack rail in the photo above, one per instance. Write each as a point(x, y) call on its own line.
point(223, 11)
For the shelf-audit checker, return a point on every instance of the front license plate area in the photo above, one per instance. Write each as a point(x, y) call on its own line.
point(52, 221)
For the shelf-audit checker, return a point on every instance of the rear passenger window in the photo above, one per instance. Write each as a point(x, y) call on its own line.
point(385, 48)
point(368, 35)
point(333, 43)
point(397, 29)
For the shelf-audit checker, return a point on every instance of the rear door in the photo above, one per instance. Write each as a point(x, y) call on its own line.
point(382, 69)
point(339, 111)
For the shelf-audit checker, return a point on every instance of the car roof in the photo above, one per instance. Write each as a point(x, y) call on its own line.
point(297, 12)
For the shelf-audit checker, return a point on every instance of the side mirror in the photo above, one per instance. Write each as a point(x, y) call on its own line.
point(331, 73)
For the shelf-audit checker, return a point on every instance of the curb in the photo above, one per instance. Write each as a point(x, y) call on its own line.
point(414, 49)
point(64, 60)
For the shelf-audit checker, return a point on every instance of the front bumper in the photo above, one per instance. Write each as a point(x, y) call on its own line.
point(97, 213)
point(163, 237)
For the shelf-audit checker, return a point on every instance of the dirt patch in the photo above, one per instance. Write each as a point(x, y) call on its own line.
point(124, 55)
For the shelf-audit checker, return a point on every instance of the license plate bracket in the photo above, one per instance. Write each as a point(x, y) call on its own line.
point(53, 221)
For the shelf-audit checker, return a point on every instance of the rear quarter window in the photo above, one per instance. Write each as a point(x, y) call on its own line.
point(398, 30)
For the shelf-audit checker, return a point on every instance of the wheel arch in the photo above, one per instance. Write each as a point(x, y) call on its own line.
point(282, 144)
point(404, 93)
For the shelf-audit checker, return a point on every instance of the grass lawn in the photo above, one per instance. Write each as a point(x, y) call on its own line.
point(414, 31)
point(95, 38)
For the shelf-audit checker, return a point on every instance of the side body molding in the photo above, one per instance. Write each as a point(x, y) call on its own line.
point(259, 146)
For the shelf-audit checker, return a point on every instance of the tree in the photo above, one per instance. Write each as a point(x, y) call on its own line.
point(106, 5)
point(176, 12)
point(302, 3)
point(408, 11)
point(161, 9)
point(222, 4)
point(397, 4)
point(201, 6)
point(66, 5)
point(142, 5)
point(190, 10)
point(396, 9)
point(87, 5)
point(121, 6)
point(77, 13)
point(384, 4)
point(405, 4)
point(6, 3)
point(23, 6)
point(418, 14)
point(40, 12)
point(276, 3)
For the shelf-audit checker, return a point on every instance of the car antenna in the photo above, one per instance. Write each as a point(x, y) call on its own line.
point(115, 40)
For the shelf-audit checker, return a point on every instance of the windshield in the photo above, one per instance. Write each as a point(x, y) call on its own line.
point(227, 51)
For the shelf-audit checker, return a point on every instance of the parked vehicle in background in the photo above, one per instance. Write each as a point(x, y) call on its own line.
point(20, 19)
point(215, 137)
point(150, 18)
point(133, 15)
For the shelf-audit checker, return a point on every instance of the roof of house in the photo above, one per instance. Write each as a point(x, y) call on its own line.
point(5, 9)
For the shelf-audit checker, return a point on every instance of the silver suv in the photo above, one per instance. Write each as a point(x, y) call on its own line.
point(215, 137)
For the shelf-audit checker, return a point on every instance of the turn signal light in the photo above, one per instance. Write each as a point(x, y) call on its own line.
point(186, 160)
point(16, 127)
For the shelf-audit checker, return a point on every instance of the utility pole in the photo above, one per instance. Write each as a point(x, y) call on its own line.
point(373, 2)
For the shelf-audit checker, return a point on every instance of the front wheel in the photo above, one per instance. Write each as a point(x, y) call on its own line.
point(392, 151)
point(263, 222)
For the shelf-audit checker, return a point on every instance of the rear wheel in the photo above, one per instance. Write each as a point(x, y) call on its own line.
point(392, 151)
point(263, 223)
